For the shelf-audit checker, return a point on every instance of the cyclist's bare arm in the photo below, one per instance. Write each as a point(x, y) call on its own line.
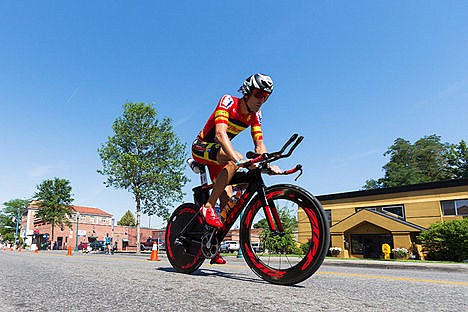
point(227, 152)
point(260, 148)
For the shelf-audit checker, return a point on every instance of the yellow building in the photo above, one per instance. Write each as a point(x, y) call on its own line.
point(361, 221)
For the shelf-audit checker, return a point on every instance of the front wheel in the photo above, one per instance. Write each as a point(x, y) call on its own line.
point(291, 257)
point(183, 238)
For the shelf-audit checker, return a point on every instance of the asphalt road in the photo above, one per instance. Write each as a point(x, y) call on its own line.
point(52, 281)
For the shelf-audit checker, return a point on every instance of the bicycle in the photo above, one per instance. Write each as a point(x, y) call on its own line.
point(286, 221)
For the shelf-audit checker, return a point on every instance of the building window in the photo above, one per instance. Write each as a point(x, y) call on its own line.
point(395, 210)
point(457, 207)
point(103, 220)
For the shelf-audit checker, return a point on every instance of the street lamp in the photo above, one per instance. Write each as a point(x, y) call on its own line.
point(77, 220)
point(112, 224)
point(17, 225)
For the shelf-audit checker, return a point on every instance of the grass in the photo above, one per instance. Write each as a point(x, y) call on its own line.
point(398, 260)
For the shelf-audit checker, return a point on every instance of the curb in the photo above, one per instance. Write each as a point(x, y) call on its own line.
point(447, 267)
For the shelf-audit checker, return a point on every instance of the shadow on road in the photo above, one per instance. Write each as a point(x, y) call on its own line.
point(227, 275)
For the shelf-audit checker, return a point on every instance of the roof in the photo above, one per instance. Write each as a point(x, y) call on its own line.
point(91, 211)
point(376, 218)
point(397, 189)
point(81, 209)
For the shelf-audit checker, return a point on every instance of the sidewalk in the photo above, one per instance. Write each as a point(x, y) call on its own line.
point(380, 264)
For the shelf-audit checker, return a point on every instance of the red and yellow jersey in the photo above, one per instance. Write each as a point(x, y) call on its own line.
point(227, 112)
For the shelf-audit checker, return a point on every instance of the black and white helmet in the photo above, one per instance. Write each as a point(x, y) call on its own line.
point(257, 81)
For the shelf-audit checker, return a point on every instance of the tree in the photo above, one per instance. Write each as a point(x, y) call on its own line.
point(279, 243)
point(458, 159)
point(127, 219)
point(54, 200)
point(446, 241)
point(145, 157)
point(9, 218)
point(427, 160)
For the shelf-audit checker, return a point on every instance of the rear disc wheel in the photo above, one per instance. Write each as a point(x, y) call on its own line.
point(184, 249)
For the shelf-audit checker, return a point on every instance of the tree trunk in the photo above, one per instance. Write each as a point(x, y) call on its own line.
point(138, 217)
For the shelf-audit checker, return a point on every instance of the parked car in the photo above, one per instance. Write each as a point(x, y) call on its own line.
point(148, 244)
point(98, 245)
point(229, 246)
point(256, 247)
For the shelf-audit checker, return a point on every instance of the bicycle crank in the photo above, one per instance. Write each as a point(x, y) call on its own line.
point(209, 244)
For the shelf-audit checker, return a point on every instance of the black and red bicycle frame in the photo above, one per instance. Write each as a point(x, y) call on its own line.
point(251, 182)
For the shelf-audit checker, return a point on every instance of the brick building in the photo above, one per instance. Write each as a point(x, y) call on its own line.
point(87, 223)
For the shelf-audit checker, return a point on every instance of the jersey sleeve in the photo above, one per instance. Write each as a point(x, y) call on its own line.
point(256, 127)
point(222, 110)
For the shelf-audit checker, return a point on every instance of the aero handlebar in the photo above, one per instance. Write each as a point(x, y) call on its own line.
point(267, 158)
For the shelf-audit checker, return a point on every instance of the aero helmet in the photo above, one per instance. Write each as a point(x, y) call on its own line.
point(257, 81)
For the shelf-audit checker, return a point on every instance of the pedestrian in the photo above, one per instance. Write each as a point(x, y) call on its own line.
point(108, 244)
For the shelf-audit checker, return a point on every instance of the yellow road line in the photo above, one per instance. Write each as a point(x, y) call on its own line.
point(394, 278)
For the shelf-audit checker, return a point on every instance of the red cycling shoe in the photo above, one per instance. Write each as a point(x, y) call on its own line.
point(210, 217)
point(218, 260)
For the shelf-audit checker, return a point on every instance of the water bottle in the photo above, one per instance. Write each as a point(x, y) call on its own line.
point(237, 192)
point(192, 164)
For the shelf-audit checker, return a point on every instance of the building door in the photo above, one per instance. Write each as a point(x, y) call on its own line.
point(59, 242)
point(370, 245)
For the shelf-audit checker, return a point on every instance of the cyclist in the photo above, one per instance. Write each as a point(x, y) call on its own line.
point(213, 145)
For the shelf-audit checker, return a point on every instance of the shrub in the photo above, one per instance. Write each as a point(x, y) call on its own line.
point(446, 241)
point(335, 251)
point(400, 252)
point(304, 247)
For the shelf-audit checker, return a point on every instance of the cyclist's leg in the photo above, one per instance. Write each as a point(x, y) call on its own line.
point(221, 182)
point(225, 196)
point(220, 167)
point(207, 153)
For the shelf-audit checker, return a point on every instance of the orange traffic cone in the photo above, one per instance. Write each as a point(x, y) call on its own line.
point(69, 251)
point(154, 253)
point(36, 250)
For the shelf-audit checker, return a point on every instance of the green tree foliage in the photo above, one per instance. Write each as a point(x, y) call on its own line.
point(446, 241)
point(9, 216)
point(54, 200)
point(458, 159)
point(279, 243)
point(427, 160)
point(128, 219)
point(145, 157)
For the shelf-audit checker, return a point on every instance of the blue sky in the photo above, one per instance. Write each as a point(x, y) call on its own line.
point(350, 76)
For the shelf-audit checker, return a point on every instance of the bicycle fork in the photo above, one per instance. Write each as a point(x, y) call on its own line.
point(271, 214)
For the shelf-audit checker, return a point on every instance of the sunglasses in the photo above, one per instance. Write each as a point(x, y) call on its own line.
point(260, 94)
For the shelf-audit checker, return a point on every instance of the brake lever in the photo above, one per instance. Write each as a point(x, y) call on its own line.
point(300, 173)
